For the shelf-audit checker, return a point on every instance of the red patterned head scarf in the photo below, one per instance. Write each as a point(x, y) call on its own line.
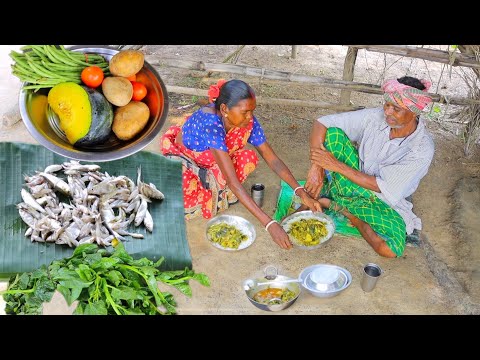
point(407, 97)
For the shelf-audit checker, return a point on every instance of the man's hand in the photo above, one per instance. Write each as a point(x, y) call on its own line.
point(312, 204)
point(314, 183)
point(325, 159)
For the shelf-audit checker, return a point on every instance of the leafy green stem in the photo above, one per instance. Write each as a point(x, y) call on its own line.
point(11, 292)
point(110, 299)
point(154, 289)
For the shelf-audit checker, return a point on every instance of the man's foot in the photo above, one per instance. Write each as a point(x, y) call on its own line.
point(301, 208)
point(323, 201)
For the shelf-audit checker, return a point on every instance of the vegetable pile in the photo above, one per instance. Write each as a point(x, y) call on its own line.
point(104, 283)
point(44, 66)
point(112, 94)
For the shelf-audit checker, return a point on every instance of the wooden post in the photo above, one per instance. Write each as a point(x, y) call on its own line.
point(348, 69)
point(294, 51)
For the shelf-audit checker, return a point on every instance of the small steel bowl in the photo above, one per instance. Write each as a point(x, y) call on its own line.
point(245, 226)
point(328, 289)
point(43, 126)
point(286, 223)
point(325, 285)
point(275, 281)
point(326, 279)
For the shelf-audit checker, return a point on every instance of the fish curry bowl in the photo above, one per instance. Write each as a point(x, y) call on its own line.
point(272, 292)
point(43, 123)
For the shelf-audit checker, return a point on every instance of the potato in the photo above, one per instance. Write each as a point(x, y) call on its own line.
point(130, 119)
point(126, 63)
point(117, 90)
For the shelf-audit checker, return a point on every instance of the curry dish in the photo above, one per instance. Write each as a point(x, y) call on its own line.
point(274, 296)
point(226, 235)
point(308, 232)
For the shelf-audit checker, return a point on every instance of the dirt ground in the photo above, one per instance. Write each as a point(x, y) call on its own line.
point(441, 277)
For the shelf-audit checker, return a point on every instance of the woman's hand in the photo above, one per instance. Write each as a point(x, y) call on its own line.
point(314, 183)
point(280, 236)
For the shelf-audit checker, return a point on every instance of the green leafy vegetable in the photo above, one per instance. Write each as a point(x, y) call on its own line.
point(103, 283)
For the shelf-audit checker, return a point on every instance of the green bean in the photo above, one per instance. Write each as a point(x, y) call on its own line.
point(47, 65)
point(26, 78)
point(26, 72)
point(40, 70)
point(52, 50)
point(18, 59)
point(78, 54)
point(65, 52)
point(23, 66)
point(57, 77)
point(64, 55)
point(52, 58)
point(58, 59)
point(40, 53)
point(73, 69)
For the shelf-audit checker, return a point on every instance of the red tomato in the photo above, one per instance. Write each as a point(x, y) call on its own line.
point(139, 91)
point(132, 78)
point(92, 76)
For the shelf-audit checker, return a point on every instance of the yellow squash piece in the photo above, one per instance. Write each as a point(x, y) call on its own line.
point(72, 105)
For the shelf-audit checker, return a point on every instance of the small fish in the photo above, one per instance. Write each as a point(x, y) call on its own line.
point(57, 183)
point(53, 168)
point(142, 211)
point(148, 221)
point(151, 191)
point(30, 200)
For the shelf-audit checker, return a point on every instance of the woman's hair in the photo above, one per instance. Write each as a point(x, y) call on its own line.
point(411, 81)
point(232, 92)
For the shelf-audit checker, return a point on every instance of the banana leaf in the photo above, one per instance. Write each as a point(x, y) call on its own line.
point(19, 254)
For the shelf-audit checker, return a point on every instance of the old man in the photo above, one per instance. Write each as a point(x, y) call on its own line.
point(374, 158)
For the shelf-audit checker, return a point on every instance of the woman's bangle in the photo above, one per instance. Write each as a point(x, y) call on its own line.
point(270, 223)
point(298, 187)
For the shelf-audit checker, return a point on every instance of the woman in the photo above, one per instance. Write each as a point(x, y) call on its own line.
point(211, 144)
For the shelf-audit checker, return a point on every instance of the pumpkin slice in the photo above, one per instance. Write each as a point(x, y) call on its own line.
point(72, 105)
point(85, 114)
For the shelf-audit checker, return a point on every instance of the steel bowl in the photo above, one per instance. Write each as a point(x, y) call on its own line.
point(42, 124)
point(275, 281)
point(242, 224)
point(286, 223)
point(329, 289)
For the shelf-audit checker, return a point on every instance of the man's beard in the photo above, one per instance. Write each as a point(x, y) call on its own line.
point(397, 126)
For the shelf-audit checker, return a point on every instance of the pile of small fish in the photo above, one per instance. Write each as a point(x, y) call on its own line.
point(90, 215)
